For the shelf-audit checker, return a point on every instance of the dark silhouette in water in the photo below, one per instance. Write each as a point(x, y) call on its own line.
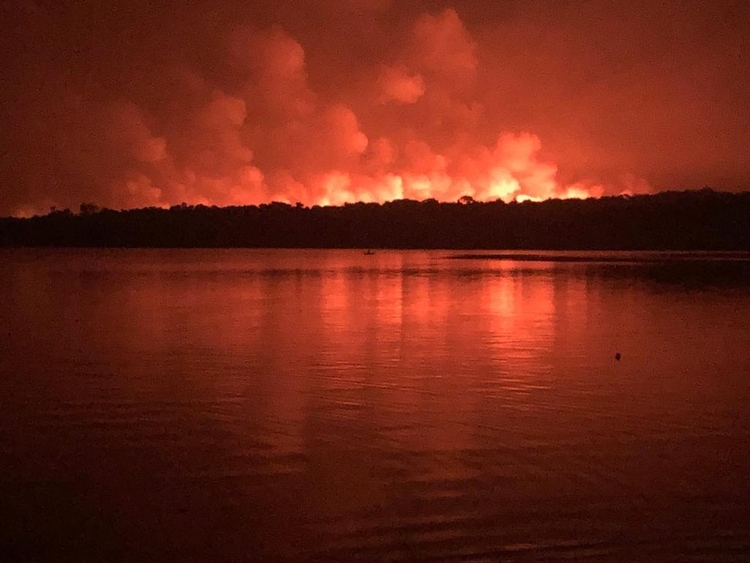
point(618, 356)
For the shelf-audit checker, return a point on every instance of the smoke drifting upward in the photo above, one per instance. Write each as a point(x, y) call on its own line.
point(343, 100)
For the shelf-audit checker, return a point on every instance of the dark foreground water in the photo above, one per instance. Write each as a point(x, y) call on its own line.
point(330, 406)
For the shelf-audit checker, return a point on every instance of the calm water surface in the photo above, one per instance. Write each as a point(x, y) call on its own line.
point(256, 405)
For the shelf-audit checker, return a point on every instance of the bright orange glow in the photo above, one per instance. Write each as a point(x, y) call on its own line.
point(511, 170)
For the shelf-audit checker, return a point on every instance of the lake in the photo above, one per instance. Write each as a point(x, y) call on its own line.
point(314, 405)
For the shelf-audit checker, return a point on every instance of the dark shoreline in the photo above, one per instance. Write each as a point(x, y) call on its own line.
point(702, 220)
point(638, 257)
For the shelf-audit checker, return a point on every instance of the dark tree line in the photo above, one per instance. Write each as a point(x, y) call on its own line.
point(690, 220)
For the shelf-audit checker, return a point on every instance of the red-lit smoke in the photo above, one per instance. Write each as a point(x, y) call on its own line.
point(258, 128)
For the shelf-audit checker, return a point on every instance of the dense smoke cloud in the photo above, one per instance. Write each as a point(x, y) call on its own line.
point(368, 100)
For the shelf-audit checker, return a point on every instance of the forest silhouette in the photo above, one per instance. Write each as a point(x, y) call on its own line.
point(688, 220)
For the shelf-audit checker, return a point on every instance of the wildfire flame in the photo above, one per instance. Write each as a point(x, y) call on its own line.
point(511, 170)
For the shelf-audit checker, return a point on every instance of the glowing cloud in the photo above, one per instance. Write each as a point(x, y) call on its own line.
point(398, 85)
point(268, 122)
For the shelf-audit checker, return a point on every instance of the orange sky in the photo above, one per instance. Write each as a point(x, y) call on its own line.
point(325, 102)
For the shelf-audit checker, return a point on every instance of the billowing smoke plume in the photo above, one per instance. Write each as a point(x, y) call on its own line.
point(232, 107)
